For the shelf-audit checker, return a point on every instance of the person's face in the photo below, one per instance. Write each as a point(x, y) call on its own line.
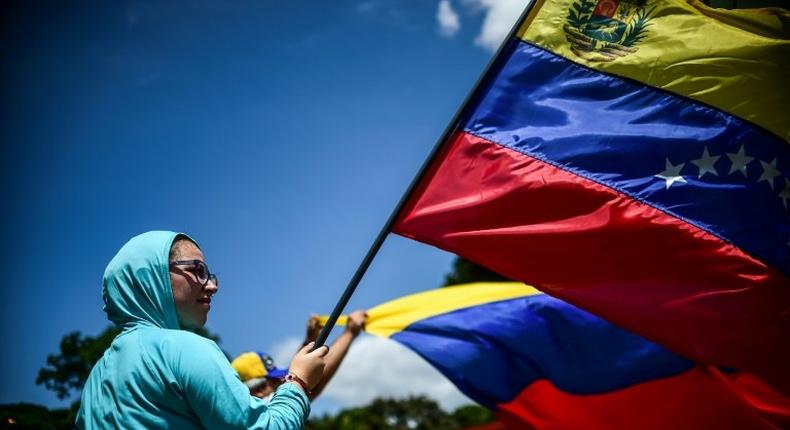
point(192, 299)
point(265, 389)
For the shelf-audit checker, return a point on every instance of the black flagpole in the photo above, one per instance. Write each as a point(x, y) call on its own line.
point(374, 248)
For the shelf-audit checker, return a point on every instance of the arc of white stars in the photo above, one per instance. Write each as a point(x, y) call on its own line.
point(769, 172)
point(706, 162)
point(739, 161)
point(671, 174)
point(785, 194)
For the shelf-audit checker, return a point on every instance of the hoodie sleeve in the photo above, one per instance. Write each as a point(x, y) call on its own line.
point(221, 401)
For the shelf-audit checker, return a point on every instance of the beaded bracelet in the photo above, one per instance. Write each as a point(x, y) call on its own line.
point(291, 377)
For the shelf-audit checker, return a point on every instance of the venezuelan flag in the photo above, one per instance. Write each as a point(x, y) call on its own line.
point(631, 158)
point(539, 362)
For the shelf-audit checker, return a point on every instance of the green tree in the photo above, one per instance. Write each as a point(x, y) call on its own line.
point(413, 413)
point(472, 415)
point(26, 416)
point(67, 371)
point(465, 271)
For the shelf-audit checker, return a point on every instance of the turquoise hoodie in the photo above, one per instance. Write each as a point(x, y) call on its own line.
point(156, 375)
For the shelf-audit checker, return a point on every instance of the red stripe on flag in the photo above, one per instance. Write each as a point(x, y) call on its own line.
point(701, 398)
point(605, 252)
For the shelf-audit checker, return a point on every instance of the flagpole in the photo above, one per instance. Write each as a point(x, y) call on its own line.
point(374, 248)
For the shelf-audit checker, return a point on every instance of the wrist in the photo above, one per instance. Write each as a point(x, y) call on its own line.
point(295, 379)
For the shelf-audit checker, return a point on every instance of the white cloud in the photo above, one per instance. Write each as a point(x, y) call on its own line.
point(499, 19)
point(283, 351)
point(447, 19)
point(376, 367)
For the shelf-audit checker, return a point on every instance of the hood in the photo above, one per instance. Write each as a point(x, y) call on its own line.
point(136, 285)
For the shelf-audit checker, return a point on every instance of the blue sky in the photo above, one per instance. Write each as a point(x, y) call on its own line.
point(279, 134)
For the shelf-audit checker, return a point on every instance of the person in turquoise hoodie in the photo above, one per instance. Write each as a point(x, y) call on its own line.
point(158, 374)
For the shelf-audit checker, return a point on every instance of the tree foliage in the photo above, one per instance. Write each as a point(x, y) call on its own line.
point(472, 415)
point(26, 416)
point(413, 413)
point(465, 271)
point(69, 369)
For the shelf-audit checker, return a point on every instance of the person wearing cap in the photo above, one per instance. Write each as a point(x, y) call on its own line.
point(157, 373)
point(258, 371)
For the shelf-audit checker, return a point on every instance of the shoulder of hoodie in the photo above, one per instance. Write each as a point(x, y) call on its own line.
point(175, 344)
point(177, 358)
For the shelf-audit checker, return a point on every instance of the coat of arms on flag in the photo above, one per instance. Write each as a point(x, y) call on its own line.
point(604, 30)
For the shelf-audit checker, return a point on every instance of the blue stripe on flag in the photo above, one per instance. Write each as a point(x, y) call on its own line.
point(493, 351)
point(699, 164)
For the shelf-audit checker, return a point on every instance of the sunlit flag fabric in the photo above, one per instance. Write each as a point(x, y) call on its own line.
point(631, 158)
point(542, 363)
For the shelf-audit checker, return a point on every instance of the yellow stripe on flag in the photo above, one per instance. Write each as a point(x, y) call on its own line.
point(734, 60)
point(391, 317)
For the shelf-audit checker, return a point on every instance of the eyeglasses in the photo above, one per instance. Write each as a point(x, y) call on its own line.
point(200, 271)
